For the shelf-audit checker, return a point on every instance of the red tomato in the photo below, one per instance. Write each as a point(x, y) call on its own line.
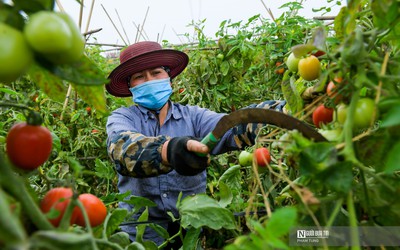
point(322, 115)
point(28, 146)
point(58, 199)
point(263, 156)
point(95, 209)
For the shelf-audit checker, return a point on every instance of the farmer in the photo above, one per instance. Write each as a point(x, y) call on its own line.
point(153, 143)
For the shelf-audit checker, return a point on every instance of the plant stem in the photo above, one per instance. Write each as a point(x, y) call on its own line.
point(335, 211)
point(355, 242)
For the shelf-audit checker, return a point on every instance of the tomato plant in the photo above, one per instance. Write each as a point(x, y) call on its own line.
point(94, 208)
point(309, 68)
point(15, 54)
point(47, 32)
point(245, 158)
point(322, 115)
point(56, 199)
point(28, 146)
point(263, 156)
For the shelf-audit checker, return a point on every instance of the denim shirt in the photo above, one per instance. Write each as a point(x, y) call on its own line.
point(134, 142)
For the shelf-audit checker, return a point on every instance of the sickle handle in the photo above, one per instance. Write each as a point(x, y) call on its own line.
point(210, 141)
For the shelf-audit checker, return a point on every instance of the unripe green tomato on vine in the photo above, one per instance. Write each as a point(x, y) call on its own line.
point(15, 53)
point(47, 32)
point(245, 158)
point(75, 52)
point(292, 62)
point(363, 114)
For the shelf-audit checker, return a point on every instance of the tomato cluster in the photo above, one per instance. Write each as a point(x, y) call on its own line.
point(261, 155)
point(52, 36)
point(308, 67)
point(58, 199)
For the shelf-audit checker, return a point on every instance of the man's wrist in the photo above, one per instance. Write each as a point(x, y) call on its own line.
point(164, 157)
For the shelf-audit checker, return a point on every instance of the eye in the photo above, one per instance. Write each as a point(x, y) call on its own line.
point(137, 77)
point(156, 71)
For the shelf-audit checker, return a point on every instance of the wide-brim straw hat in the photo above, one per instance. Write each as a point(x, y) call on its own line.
point(141, 56)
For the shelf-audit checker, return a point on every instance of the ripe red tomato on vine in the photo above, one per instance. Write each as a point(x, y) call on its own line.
point(95, 210)
point(28, 146)
point(322, 115)
point(263, 156)
point(57, 199)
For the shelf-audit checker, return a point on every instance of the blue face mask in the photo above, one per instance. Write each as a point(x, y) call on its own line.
point(152, 94)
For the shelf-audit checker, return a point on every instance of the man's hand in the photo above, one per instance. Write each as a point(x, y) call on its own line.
point(180, 153)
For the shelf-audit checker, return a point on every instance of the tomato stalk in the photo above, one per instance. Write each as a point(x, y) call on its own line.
point(15, 185)
point(355, 242)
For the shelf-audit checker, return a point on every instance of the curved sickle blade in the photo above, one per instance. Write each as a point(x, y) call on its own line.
point(259, 115)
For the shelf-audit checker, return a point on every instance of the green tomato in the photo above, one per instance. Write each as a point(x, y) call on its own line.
point(47, 32)
point(341, 113)
point(15, 54)
point(75, 52)
point(245, 158)
point(364, 114)
point(292, 63)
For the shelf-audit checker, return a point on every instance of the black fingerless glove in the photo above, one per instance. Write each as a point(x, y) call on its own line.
point(182, 160)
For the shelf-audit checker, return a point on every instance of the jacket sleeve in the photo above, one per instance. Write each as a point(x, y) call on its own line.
point(136, 155)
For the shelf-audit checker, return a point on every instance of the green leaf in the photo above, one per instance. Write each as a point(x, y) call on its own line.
point(160, 230)
point(83, 72)
point(113, 220)
point(292, 90)
point(191, 238)
point(139, 202)
point(56, 141)
point(393, 159)
point(341, 171)
point(121, 238)
point(225, 195)
point(48, 83)
point(232, 177)
point(201, 210)
point(224, 67)
point(94, 96)
point(142, 227)
point(392, 118)
point(281, 221)
point(135, 246)
point(10, 92)
point(301, 50)
point(103, 170)
point(317, 157)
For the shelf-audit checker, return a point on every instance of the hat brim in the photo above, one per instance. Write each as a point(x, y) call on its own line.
point(175, 60)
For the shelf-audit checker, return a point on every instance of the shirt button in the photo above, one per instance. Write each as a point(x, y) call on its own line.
point(165, 195)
